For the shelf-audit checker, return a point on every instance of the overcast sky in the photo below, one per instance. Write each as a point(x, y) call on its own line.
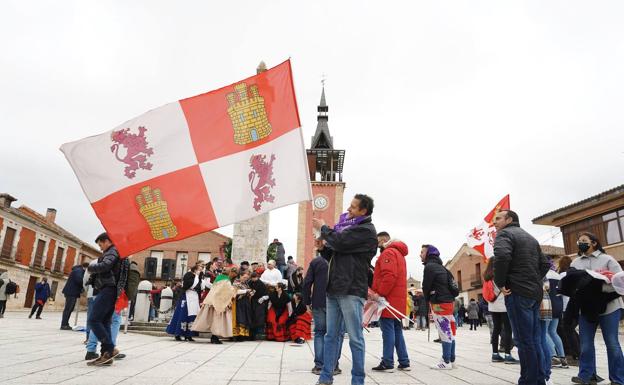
point(442, 107)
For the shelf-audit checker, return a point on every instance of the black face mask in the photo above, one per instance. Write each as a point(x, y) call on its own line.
point(583, 247)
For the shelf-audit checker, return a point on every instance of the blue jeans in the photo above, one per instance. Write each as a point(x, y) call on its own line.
point(283, 269)
point(523, 315)
point(587, 331)
point(320, 329)
point(546, 353)
point(392, 335)
point(448, 351)
point(100, 319)
point(89, 306)
point(115, 325)
point(422, 321)
point(554, 341)
point(347, 309)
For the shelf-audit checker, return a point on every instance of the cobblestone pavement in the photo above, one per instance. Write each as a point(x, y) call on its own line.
point(37, 352)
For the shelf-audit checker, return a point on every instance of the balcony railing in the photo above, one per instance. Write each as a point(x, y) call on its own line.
point(476, 281)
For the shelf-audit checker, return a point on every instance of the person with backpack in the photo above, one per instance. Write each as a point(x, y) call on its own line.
point(519, 268)
point(496, 306)
point(105, 275)
point(440, 289)
point(4, 280)
point(42, 293)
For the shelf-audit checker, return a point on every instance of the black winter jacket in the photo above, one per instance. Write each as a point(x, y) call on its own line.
point(315, 283)
point(436, 281)
point(519, 264)
point(349, 254)
point(103, 273)
point(74, 287)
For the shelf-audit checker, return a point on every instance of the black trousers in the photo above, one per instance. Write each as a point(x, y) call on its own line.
point(70, 303)
point(502, 328)
point(2, 306)
point(36, 308)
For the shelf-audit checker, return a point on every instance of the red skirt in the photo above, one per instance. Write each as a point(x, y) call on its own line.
point(276, 328)
point(301, 328)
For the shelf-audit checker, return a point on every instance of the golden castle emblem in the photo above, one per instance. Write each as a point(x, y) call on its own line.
point(248, 114)
point(154, 210)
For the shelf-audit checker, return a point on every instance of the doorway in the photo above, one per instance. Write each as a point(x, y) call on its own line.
point(30, 293)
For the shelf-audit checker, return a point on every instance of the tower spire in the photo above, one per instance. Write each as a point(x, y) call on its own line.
point(322, 138)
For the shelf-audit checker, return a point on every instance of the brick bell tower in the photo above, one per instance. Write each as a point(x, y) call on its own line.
point(325, 165)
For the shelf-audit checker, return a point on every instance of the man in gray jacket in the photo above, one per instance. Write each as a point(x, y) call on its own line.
point(519, 269)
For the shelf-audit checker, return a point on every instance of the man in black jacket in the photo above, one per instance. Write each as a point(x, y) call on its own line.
point(349, 248)
point(72, 290)
point(519, 269)
point(104, 277)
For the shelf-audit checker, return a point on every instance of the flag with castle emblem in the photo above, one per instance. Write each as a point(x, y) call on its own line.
point(481, 237)
point(196, 164)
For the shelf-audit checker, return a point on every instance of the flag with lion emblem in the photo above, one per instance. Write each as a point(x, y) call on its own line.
point(196, 164)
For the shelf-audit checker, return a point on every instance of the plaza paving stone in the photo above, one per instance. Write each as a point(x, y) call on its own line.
point(37, 352)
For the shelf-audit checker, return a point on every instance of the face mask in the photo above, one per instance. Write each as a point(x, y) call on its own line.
point(583, 247)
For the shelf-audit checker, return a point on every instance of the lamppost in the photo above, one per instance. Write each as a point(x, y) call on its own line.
point(183, 259)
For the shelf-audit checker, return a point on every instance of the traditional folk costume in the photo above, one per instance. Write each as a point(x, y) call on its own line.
point(215, 315)
point(258, 309)
point(299, 323)
point(277, 316)
point(241, 311)
point(187, 308)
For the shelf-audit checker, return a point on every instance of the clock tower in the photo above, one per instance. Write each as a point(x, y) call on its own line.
point(325, 166)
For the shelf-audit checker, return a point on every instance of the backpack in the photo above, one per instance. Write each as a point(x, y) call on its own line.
point(489, 294)
point(132, 284)
point(452, 284)
point(11, 288)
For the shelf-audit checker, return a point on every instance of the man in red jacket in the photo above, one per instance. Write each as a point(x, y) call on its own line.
point(390, 282)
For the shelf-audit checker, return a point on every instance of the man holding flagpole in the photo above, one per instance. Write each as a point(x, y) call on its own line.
point(349, 248)
point(390, 282)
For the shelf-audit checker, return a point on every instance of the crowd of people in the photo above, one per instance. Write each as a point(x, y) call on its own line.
point(528, 303)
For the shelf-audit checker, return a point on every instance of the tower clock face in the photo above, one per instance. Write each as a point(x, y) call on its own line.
point(320, 202)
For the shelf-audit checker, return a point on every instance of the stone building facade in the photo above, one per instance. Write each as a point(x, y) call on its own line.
point(251, 239)
point(34, 246)
point(168, 262)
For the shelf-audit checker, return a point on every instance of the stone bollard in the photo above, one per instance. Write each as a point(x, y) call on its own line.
point(166, 304)
point(142, 307)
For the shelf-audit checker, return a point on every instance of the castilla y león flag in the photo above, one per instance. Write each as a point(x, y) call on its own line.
point(196, 164)
point(481, 237)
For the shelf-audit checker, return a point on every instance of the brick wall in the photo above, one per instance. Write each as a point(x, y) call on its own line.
point(50, 256)
point(209, 242)
point(25, 246)
point(69, 260)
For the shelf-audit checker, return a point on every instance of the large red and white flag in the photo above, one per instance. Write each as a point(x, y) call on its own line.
point(481, 237)
point(196, 164)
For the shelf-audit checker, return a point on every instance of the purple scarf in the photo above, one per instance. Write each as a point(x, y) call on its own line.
point(344, 222)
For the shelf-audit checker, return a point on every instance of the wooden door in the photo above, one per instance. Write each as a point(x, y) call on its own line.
point(30, 293)
point(39, 253)
point(7, 245)
point(59, 259)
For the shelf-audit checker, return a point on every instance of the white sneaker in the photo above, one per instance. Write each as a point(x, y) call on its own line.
point(549, 382)
point(442, 366)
